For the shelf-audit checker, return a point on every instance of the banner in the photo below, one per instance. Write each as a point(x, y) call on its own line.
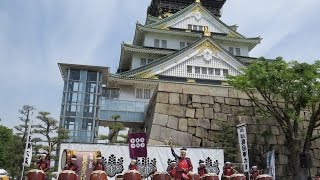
point(27, 155)
point(271, 165)
point(242, 136)
point(137, 145)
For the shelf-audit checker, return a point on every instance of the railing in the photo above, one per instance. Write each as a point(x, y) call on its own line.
point(129, 111)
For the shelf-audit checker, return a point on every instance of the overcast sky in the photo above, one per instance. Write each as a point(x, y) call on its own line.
point(37, 34)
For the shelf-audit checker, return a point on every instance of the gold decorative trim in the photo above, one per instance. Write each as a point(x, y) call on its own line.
point(208, 45)
point(206, 31)
point(198, 1)
point(232, 34)
point(197, 9)
point(191, 81)
point(164, 26)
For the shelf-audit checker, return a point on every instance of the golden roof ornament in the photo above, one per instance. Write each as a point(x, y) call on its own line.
point(198, 1)
point(206, 31)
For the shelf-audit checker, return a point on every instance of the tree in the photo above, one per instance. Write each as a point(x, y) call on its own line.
point(48, 127)
point(10, 151)
point(22, 129)
point(114, 130)
point(284, 90)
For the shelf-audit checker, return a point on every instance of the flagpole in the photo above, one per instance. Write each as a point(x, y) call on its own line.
point(27, 143)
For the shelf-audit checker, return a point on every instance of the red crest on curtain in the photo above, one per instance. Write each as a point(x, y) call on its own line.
point(137, 145)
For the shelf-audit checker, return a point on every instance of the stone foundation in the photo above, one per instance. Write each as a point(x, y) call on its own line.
point(200, 116)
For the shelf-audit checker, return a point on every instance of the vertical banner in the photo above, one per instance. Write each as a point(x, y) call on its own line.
point(137, 145)
point(28, 150)
point(271, 165)
point(242, 136)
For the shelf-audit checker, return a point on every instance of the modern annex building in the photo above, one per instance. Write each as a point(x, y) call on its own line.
point(182, 41)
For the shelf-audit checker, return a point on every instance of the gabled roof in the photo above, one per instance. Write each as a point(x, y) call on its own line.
point(157, 24)
point(173, 55)
point(146, 50)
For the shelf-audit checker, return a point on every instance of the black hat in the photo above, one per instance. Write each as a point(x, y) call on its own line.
point(173, 161)
point(201, 161)
point(74, 157)
point(183, 149)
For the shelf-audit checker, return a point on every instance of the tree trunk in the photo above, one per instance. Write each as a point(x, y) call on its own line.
point(294, 168)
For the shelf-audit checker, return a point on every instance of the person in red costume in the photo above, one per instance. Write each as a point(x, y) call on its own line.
point(172, 169)
point(202, 170)
point(43, 163)
point(184, 163)
point(72, 165)
point(227, 169)
point(133, 164)
point(254, 172)
point(98, 165)
point(317, 177)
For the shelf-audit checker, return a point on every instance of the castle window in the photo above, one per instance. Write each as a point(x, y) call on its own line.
point(231, 50)
point(157, 43)
point(111, 93)
point(204, 70)
point(143, 61)
point(142, 93)
point(189, 69)
point(238, 52)
point(150, 61)
point(197, 70)
point(211, 71)
point(195, 27)
point(217, 72)
point(200, 28)
point(164, 43)
point(189, 26)
point(225, 72)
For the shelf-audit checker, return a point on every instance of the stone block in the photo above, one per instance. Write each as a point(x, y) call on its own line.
point(184, 99)
point(161, 108)
point(170, 87)
point(236, 110)
point(225, 108)
point(205, 123)
point(272, 140)
point(201, 132)
point(283, 159)
point(252, 129)
point(205, 105)
point(197, 105)
point(220, 116)
point(196, 89)
point(190, 113)
point(196, 141)
point(242, 95)
point(233, 93)
point(245, 102)
point(167, 133)
point(217, 107)
point(251, 138)
point(173, 122)
point(199, 113)
point(232, 101)
point(207, 100)
point(208, 113)
point(207, 143)
point(184, 138)
point(219, 100)
point(160, 119)
point(174, 98)
point(196, 98)
point(211, 135)
point(192, 122)
point(281, 139)
point(163, 97)
point(155, 142)
point(219, 91)
point(275, 130)
point(176, 110)
point(215, 126)
point(155, 132)
point(192, 130)
point(183, 124)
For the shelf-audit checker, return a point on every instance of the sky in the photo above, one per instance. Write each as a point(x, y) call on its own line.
point(35, 35)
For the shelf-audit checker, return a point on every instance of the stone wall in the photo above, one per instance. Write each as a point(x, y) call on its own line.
point(194, 115)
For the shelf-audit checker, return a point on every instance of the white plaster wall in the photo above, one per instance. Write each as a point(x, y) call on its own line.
point(244, 50)
point(173, 42)
point(137, 57)
point(127, 92)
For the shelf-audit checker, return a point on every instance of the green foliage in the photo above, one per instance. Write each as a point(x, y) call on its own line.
point(22, 129)
point(283, 90)
point(114, 130)
point(227, 137)
point(11, 151)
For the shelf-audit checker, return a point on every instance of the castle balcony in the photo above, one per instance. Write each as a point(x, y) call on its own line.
point(131, 112)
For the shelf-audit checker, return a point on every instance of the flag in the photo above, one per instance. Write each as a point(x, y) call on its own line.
point(242, 136)
point(27, 155)
point(137, 145)
point(271, 164)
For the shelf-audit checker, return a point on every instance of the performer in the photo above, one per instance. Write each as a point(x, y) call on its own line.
point(227, 169)
point(72, 165)
point(43, 163)
point(254, 172)
point(184, 163)
point(133, 164)
point(317, 177)
point(98, 165)
point(202, 168)
point(172, 169)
